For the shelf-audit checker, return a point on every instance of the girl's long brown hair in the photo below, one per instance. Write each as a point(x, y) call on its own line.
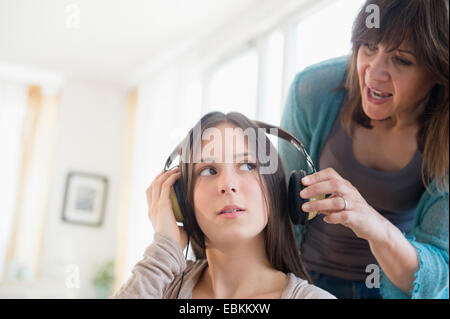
point(426, 24)
point(280, 244)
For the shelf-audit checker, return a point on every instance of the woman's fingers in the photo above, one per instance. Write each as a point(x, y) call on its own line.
point(330, 186)
point(323, 175)
point(330, 204)
point(343, 218)
point(345, 206)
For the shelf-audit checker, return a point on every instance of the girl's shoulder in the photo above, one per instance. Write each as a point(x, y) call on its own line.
point(298, 288)
point(187, 280)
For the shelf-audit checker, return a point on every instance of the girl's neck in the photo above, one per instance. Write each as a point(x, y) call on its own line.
point(238, 270)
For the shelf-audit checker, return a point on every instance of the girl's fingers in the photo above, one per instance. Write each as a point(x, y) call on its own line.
point(166, 186)
point(160, 173)
point(149, 190)
point(156, 189)
point(183, 237)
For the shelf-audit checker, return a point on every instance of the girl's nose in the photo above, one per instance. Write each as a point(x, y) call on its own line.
point(227, 182)
point(228, 189)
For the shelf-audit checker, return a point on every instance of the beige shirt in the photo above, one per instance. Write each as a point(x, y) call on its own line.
point(158, 275)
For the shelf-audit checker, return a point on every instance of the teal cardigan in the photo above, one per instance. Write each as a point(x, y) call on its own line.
point(311, 108)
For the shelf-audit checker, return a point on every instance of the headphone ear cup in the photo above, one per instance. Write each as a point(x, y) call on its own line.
point(177, 199)
point(295, 202)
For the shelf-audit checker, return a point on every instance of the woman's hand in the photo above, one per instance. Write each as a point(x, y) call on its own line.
point(345, 206)
point(160, 208)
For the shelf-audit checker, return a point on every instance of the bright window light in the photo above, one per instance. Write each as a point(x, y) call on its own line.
point(232, 86)
point(326, 34)
point(12, 116)
point(271, 95)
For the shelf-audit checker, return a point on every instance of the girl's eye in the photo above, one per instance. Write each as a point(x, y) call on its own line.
point(248, 166)
point(206, 170)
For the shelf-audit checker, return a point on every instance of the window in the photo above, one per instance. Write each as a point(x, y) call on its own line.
point(232, 86)
point(326, 34)
point(271, 78)
point(12, 112)
point(253, 82)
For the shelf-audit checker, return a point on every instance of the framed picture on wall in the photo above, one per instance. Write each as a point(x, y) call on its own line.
point(84, 198)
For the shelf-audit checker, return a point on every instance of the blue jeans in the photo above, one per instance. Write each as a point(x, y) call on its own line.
point(344, 289)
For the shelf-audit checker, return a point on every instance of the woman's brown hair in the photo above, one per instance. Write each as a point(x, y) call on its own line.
point(425, 24)
point(280, 244)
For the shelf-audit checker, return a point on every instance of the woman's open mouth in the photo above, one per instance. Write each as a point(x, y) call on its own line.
point(377, 97)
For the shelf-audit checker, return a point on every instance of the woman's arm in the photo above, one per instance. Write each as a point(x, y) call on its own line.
point(430, 238)
point(395, 255)
point(400, 259)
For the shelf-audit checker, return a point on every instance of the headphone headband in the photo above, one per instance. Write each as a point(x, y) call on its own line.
point(288, 137)
point(282, 133)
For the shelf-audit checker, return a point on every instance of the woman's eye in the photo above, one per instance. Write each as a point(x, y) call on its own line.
point(370, 46)
point(248, 166)
point(205, 171)
point(402, 61)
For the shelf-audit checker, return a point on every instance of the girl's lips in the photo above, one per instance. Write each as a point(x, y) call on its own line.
point(232, 214)
point(230, 208)
point(376, 101)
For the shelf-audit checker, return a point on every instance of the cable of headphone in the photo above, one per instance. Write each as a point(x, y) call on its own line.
point(185, 258)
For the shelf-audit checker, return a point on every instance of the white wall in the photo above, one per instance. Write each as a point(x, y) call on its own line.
point(168, 106)
point(90, 139)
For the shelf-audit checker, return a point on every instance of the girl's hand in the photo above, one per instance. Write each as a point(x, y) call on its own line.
point(345, 206)
point(160, 208)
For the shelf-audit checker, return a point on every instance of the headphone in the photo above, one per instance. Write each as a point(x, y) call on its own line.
point(295, 202)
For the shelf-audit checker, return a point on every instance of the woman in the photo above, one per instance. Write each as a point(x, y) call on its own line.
point(376, 124)
point(236, 217)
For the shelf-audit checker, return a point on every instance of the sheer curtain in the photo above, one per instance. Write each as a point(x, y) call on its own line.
point(12, 110)
point(37, 145)
point(166, 107)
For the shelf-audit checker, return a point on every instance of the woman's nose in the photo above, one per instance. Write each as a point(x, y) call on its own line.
point(377, 70)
